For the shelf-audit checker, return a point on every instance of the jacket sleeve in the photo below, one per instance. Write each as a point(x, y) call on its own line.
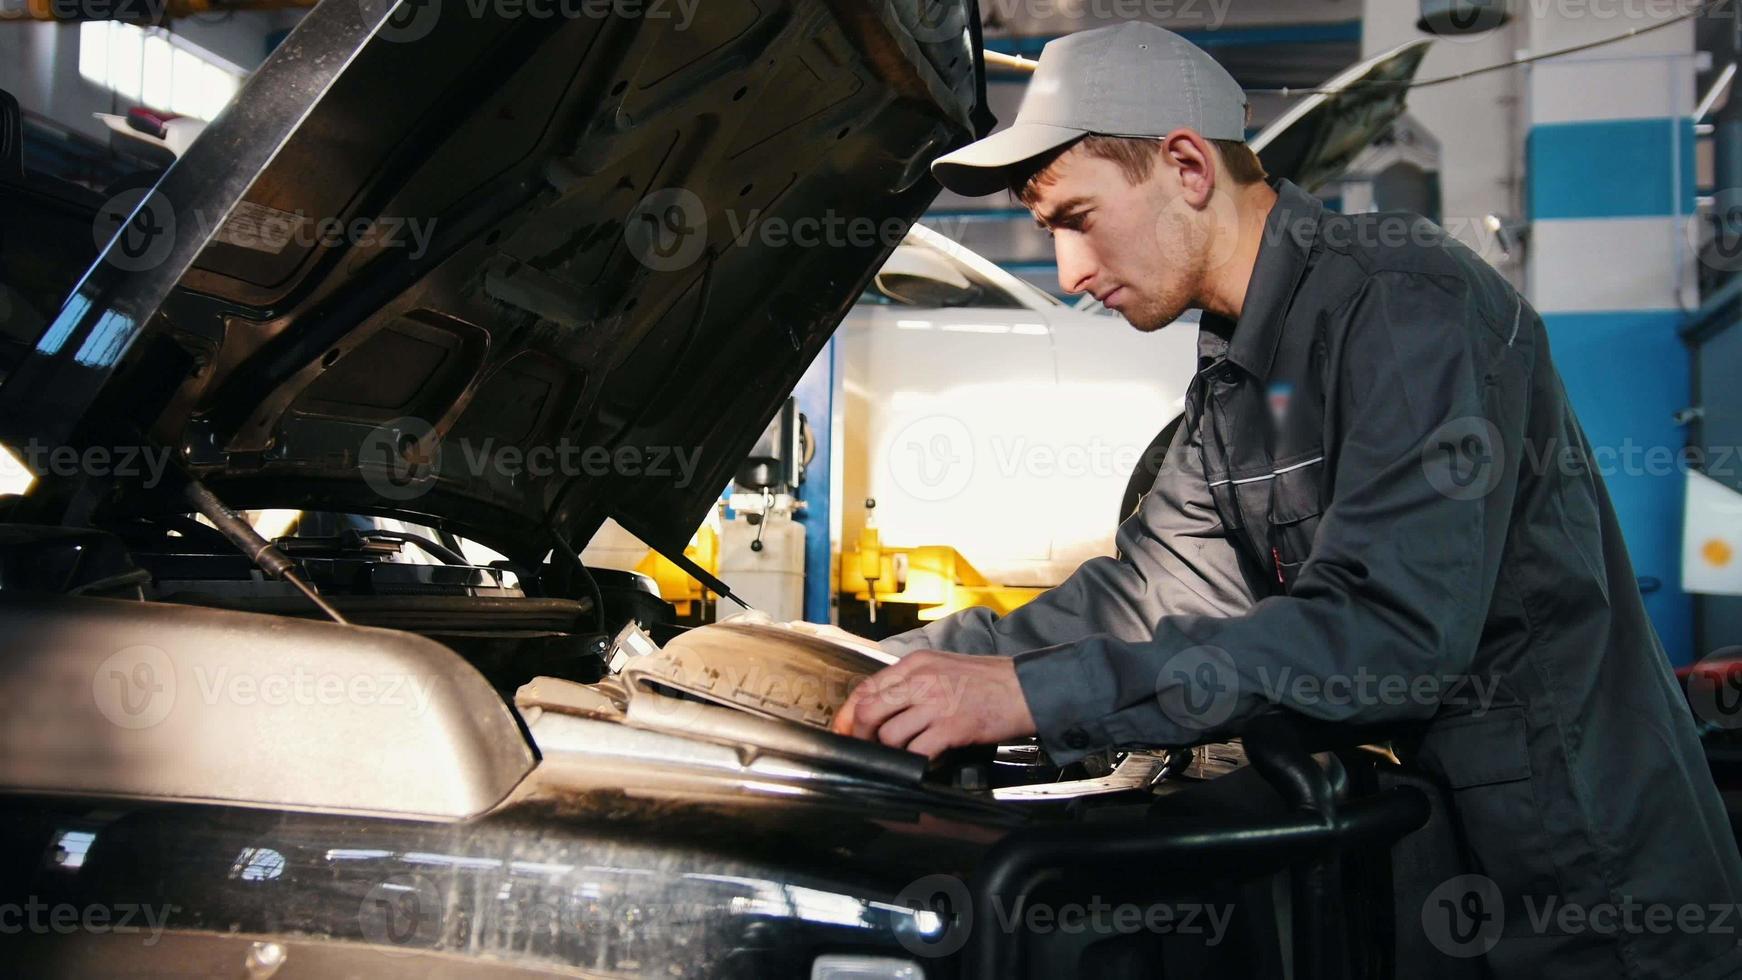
point(1177, 559)
point(1426, 399)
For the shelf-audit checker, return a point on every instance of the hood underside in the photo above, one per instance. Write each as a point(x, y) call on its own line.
point(1319, 136)
point(514, 274)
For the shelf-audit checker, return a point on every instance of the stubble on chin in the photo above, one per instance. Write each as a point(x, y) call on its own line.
point(1142, 323)
point(1150, 316)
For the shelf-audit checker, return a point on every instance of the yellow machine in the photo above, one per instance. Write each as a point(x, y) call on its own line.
point(675, 585)
point(934, 577)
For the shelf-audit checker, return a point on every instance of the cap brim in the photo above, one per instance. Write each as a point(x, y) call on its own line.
point(979, 168)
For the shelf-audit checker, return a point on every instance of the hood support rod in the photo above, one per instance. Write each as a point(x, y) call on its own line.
point(248, 541)
point(702, 575)
point(684, 564)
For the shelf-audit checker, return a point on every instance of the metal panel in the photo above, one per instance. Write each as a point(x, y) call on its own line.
point(130, 699)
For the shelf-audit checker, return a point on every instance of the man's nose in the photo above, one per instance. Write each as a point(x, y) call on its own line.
point(1076, 263)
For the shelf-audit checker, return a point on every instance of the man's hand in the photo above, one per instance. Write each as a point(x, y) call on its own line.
point(932, 701)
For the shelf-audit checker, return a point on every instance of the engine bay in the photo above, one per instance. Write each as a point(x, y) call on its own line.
point(539, 638)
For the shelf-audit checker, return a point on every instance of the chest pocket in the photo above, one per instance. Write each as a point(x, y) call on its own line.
point(1295, 506)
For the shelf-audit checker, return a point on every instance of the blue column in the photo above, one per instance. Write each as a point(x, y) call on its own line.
point(816, 393)
point(1610, 190)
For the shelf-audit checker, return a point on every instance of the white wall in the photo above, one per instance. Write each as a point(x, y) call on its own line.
point(1478, 121)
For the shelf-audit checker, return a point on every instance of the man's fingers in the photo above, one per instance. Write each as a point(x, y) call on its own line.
point(849, 710)
point(881, 695)
point(886, 694)
point(932, 702)
point(901, 729)
point(843, 723)
point(876, 705)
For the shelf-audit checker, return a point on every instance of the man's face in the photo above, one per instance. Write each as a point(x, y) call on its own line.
point(1136, 247)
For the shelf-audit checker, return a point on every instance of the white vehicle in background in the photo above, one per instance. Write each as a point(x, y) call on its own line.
point(984, 414)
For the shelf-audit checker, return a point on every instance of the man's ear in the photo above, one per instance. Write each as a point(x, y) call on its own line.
point(1194, 160)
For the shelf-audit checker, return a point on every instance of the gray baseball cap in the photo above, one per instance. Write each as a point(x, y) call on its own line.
point(1132, 79)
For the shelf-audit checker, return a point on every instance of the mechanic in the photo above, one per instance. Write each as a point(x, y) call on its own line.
point(1379, 510)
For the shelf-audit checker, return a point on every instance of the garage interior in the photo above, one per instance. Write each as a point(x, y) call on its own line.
point(966, 432)
point(1486, 155)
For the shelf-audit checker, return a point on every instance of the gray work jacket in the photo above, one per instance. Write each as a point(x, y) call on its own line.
point(1380, 510)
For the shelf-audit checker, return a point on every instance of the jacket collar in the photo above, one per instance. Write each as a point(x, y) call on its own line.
point(1290, 229)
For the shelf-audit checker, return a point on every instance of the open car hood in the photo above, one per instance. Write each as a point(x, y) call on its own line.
point(1319, 136)
point(508, 275)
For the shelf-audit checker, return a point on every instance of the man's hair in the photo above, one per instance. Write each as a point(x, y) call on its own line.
point(1135, 157)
